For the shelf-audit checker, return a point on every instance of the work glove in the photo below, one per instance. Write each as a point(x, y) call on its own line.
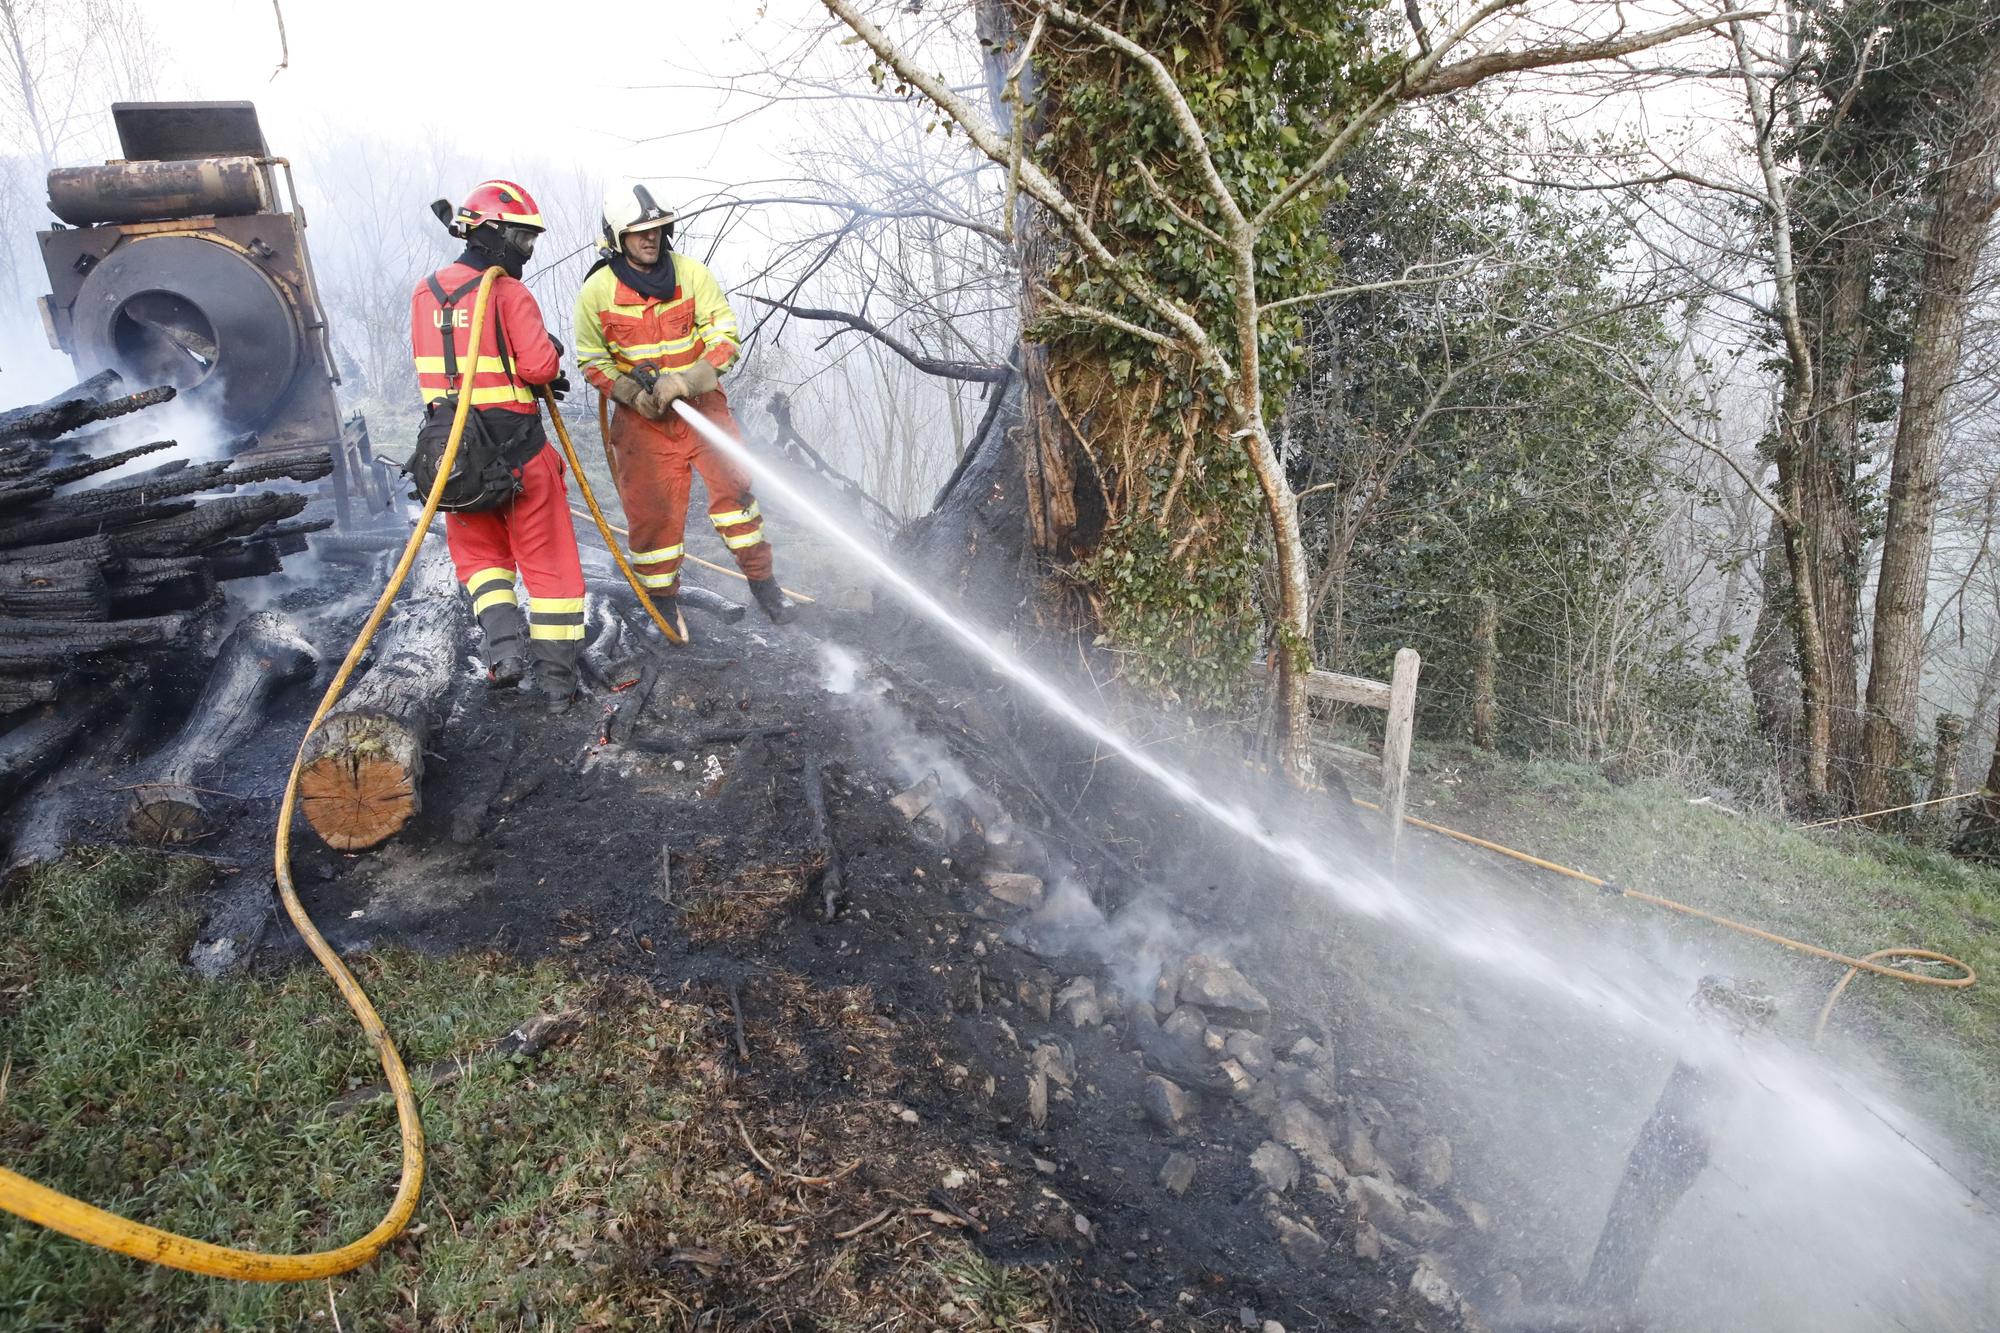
point(629, 392)
point(701, 378)
point(559, 386)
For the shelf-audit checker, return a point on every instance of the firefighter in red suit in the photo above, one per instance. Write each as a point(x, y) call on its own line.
point(528, 541)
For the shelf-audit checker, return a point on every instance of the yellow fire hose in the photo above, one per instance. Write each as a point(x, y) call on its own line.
point(1855, 966)
point(95, 1226)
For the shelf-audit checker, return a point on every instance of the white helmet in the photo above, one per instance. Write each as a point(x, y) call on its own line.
point(632, 208)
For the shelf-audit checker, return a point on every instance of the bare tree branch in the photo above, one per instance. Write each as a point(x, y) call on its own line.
point(930, 365)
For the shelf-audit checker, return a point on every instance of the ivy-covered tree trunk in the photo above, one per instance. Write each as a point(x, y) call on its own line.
point(1963, 204)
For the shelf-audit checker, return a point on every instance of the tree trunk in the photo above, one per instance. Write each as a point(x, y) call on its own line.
point(1964, 201)
point(1487, 638)
point(261, 656)
point(1944, 763)
point(364, 767)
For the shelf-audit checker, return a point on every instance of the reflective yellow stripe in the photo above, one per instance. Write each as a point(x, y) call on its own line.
point(555, 605)
point(507, 393)
point(498, 597)
point(655, 557)
point(434, 365)
point(750, 538)
point(660, 580)
point(729, 516)
point(537, 631)
point(479, 578)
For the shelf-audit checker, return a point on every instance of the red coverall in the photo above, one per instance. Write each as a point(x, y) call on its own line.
point(617, 329)
point(532, 535)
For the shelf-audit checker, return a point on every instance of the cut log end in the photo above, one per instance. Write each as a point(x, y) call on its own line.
point(164, 814)
point(356, 800)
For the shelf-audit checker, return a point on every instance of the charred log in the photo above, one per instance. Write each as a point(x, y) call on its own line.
point(18, 692)
point(197, 527)
point(157, 585)
point(60, 416)
point(364, 768)
point(38, 742)
point(262, 655)
point(90, 467)
point(63, 590)
point(41, 529)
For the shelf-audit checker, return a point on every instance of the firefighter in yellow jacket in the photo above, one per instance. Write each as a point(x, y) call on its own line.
point(653, 327)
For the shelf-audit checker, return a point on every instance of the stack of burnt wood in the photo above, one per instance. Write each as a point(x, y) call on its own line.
point(110, 565)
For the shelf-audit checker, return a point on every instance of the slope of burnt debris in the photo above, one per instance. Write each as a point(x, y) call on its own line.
point(976, 980)
point(899, 898)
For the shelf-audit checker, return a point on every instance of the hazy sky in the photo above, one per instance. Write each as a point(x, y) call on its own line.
point(511, 80)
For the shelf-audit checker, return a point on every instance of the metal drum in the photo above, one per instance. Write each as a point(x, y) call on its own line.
point(194, 313)
point(128, 192)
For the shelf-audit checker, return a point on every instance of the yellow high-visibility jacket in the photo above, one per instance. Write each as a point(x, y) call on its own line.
point(617, 329)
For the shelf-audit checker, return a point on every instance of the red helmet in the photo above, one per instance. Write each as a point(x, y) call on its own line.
point(501, 202)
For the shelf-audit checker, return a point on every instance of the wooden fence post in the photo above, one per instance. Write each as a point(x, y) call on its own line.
point(1396, 744)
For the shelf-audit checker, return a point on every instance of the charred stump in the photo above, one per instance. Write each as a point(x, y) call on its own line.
point(261, 656)
point(364, 767)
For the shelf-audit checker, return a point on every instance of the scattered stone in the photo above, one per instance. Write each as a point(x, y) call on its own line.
point(955, 1179)
point(1432, 1161)
point(1475, 1213)
point(1166, 1104)
point(1307, 1083)
point(1247, 1318)
point(920, 800)
point(1272, 1326)
point(1309, 1052)
point(1177, 1172)
point(1078, 1002)
point(1213, 1041)
point(1045, 1166)
point(1013, 888)
point(1052, 1059)
point(1219, 988)
point(1241, 1085)
point(1305, 1247)
point(1362, 1159)
point(1163, 993)
point(1276, 1165)
point(1038, 1099)
point(1187, 1027)
point(907, 1116)
point(1334, 1187)
point(1398, 1211)
point(1082, 1225)
point(1036, 993)
point(1430, 1284)
point(1250, 1050)
point(1367, 1242)
point(947, 1311)
point(1299, 1128)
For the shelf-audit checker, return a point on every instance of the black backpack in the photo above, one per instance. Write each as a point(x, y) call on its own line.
point(485, 473)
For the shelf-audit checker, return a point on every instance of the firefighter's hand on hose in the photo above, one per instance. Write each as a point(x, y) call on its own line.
point(629, 392)
point(700, 378)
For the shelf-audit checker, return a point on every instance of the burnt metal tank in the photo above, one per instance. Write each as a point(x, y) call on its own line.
point(182, 263)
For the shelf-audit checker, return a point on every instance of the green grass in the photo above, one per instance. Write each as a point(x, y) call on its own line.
point(601, 1185)
point(1847, 890)
point(203, 1108)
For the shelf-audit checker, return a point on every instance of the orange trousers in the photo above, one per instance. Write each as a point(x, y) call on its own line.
point(653, 464)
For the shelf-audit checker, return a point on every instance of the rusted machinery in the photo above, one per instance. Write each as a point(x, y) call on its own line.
point(182, 264)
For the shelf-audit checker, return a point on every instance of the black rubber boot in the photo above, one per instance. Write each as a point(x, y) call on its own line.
point(504, 647)
point(772, 599)
point(554, 683)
